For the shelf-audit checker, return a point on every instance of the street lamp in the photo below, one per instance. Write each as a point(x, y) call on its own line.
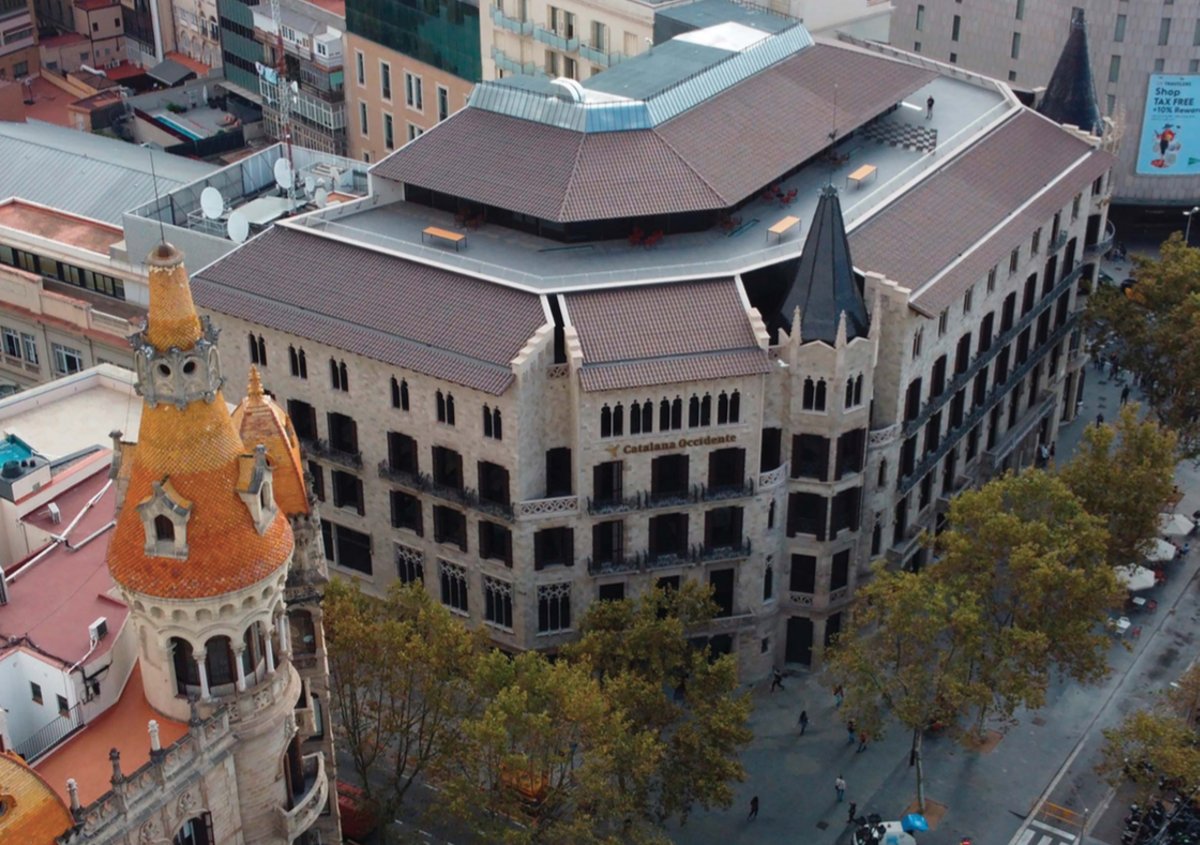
point(1188, 215)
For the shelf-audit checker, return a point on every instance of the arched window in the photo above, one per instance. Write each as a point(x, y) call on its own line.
point(293, 361)
point(694, 412)
point(403, 395)
point(264, 500)
point(487, 421)
point(449, 409)
point(647, 417)
point(395, 393)
point(334, 376)
point(664, 415)
point(303, 365)
point(677, 413)
point(735, 407)
point(606, 421)
point(252, 650)
point(850, 392)
point(769, 583)
point(196, 831)
point(254, 349)
point(706, 410)
point(187, 673)
point(262, 351)
point(164, 529)
point(618, 420)
point(635, 419)
point(858, 390)
point(345, 377)
point(723, 408)
point(820, 402)
point(497, 432)
point(882, 480)
point(441, 407)
point(219, 662)
point(809, 395)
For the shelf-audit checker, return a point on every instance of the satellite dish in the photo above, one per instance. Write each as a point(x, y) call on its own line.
point(310, 185)
point(283, 173)
point(212, 203)
point(321, 198)
point(239, 227)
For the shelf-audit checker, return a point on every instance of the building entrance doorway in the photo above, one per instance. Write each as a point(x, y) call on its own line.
point(799, 640)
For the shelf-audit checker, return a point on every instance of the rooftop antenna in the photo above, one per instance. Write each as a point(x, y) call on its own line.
point(285, 98)
point(162, 232)
point(833, 136)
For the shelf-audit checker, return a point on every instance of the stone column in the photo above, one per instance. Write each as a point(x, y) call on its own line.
point(270, 652)
point(285, 634)
point(241, 668)
point(200, 657)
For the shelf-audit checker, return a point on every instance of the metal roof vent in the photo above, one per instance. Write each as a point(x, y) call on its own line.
point(567, 89)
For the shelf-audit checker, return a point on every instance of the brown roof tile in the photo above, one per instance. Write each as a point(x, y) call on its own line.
point(967, 200)
point(705, 367)
point(401, 312)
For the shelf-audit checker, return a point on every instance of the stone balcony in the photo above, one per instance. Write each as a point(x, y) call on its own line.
point(308, 807)
point(322, 450)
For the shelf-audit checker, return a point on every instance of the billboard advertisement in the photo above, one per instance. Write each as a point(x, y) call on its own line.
point(1170, 143)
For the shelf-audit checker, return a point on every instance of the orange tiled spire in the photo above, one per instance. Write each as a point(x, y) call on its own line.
point(260, 421)
point(35, 814)
point(189, 447)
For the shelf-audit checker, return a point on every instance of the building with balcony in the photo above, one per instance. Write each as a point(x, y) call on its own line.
point(582, 339)
point(18, 39)
point(205, 732)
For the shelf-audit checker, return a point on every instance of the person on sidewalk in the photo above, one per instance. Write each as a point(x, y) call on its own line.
point(838, 695)
point(753, 809)
point(853, 810)
point(929, 108)
point(862, 743)
point(1099, 420)
point(776, 679)
point(1125, 395)
point(840, 786)
point(852, 730)
point(803, 721)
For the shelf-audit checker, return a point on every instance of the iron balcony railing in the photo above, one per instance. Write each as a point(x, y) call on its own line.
point(465, 496)
point(322, 449)
point(646, 500)
point(50, 735)
point(646, 560)
point(1104, 244)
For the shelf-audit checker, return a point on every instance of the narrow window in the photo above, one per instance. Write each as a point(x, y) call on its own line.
point(487, 421)
point(809, 394)
point(395, 393)
point(850, 392)
point(820, 399)
point(647, 417)
point(345, 377)
point(723, 408)
point(293, 361)
point(449, 409)
point(403, 394)
point(262, 351)
point(303, 365)
point(635, 419)
point(706, 410)
point(694, 412)
point(618, 421)
point(441, 407)
point(497, 433)
point(334, 375)
point(677, 413)
point(606, 422)
point(253, 349)
point(735, 407)
point(858, 383)
point(664, 415)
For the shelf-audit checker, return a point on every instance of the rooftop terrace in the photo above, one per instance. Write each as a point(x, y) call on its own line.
point(900, 145)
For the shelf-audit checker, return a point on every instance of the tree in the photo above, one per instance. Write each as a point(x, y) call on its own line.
point(638, 650)
point(1149, 744)
point(1035, 562)
point(537, 763)
point(1124, 475)
point(400, 672)
point(1157, 328)
point(906, 655)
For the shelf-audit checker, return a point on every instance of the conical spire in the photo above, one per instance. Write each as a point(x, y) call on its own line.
point(1070, 97)
point(254, 390)
point(171, 319)
point(825, 288)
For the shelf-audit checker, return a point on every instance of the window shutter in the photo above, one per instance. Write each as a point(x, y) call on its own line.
point(508, 557)
point(361, 503)
point(539, 550)
point(483, 547)
point(569, 545)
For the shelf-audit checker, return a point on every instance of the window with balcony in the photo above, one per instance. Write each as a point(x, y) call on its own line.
point(723, 583)
point(554, 608)
point(851, 452)
point(1029, 296)
point(669, 534)
point(987, 330)
point(726, 469)
point(447, 467)
point(957, 408)
point(937, 384)
point(599, 36)
point(803, 577)
point(406, 512)
point(497, 603)
point(608, 541)
point(493, 483)
point(912, 400)
point(454, 586)
point(402, 453)
point(900, 522)
point(351, 549)
point(810, 456)
point(343, 433)
point(450, 526)
point(1002, 364)
point(669, 476)
point(723, 528)
point(908, 457)
point(399, 394)
point(347, 491)
point(807, 515)
point(554, 547)
point(316, 480)
point(558, 472)
point(772, 449)
point(933, 431)
point(304, 419)
point(607, 482)
point(844, 512)
point(972, 443)
point(962, 354)
point(1023, 346)
point(1008, 312)
point(495, 542)
point(839, 570)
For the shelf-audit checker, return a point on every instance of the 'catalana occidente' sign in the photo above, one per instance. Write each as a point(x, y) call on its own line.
point(1170, 142)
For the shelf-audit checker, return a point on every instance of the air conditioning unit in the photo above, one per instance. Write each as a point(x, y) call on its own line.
point(55, 513)
point(98, 630)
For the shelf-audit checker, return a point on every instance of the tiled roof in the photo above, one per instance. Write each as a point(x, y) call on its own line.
point(37, 816)
point(979, 191)
point(261, 422)
point(711, 156)
point(400, 312)
point(660, 334)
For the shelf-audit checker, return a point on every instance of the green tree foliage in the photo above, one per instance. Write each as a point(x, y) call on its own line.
point(1157, 736)
point(1124, 475)
point(1158, 329)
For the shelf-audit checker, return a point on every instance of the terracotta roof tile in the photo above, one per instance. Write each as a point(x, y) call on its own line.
point(261, 422)
point(401, 312)
point(37, 815)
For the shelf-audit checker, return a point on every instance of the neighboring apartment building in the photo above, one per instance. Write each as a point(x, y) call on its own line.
point(71, 294)
point(409, 67)
point(18, 39)
point(1131, 46)
point(102, 22)
point(626, 380)
point(197, 32)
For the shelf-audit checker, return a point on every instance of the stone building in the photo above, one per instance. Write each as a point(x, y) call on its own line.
point(212, 555)
point(736, 310)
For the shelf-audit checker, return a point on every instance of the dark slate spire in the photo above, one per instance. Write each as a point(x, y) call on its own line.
point(825, 287)
point(1071, 95)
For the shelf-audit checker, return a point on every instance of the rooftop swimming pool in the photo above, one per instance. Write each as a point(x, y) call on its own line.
point(178, 127)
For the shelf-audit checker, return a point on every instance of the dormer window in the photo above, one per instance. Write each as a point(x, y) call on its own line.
point(164, 530)
point(164, 517)
point(257, 489)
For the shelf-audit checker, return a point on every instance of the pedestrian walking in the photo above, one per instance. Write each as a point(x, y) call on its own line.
point(838, 695)
point(753, 809)
point(929, 108)
point(853, 810)
point(776, 679)
point(1099, 420)
point(803, 721)
point(1052, 450)
point(840, 786)
point(862, 743)
point(851, 729)
point(1125, 395)
point(1043, 454)
point(1187, 547)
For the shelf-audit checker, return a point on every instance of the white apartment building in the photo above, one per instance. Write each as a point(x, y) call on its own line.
point(584, 339)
